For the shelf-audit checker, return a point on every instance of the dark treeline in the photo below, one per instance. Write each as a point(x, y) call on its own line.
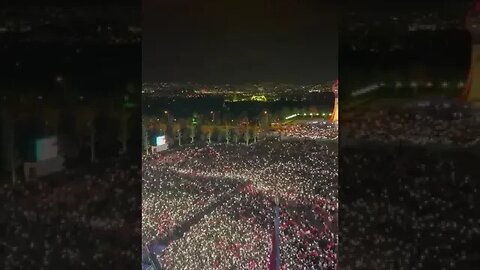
point(423, 56)
point(186, 107)
point(64, 90)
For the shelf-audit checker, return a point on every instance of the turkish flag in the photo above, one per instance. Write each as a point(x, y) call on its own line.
point(273, 255)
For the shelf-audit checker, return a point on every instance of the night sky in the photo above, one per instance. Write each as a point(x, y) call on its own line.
point(376, 7)
point(217, 41)
point(70, 3)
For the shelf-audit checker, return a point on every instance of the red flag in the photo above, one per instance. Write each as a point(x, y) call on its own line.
point(273, 255)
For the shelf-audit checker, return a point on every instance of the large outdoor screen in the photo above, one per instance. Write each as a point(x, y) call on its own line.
point(160, 140)
point(46, 148)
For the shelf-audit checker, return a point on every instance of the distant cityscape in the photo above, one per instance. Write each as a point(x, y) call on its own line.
point(111, 25)
point(267, 91)
point(411, 20)
point(394, 30)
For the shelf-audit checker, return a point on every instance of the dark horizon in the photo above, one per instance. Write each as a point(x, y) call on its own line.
point(252, 41)
point(71, 3)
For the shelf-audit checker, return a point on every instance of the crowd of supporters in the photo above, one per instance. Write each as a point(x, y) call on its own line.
point(421, 125)
point(79, 219)
point(400, 212)
point(211, 206)
point(318, 130)
point(407, 201)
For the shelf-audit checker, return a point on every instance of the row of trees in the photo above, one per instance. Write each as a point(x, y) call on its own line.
point(227, 132)
point(80, 127)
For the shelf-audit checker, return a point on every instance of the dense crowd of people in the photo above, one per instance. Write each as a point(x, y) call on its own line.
point(400, 212)
point(212, 205)
point(410, 200)
point(318, 130)
point(79, 219)
point(178, 197)
point(438, 124)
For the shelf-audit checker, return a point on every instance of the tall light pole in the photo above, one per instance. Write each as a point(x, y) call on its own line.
point(59, 80)
point(12, 153)
point(167, 114)
point(266, 118)
point(12, 130)
point(92, 141)
point(124, 131)
point(145, 137)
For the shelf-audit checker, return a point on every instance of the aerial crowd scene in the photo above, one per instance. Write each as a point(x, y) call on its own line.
point(211, 206)
point(409, 199)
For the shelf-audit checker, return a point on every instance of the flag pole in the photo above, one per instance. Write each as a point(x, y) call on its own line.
point(277, 234)
point(12, 154)
point(151, 256)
